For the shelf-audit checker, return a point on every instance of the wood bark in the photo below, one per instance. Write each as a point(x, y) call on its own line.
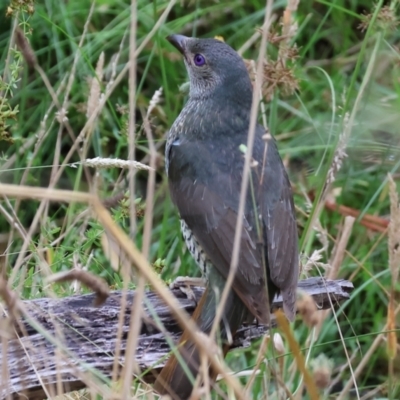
point(78, 341)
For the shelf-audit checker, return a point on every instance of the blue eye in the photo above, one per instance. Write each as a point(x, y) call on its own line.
point(199, 60)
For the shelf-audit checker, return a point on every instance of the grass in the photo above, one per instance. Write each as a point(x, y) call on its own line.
point(347, 69)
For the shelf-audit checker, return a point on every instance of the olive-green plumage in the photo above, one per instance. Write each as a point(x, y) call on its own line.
point(205, 163)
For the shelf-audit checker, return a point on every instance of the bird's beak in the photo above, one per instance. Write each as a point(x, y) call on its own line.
point(179, 41)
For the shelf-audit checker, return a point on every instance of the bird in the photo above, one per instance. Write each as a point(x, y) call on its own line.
point(204, 163)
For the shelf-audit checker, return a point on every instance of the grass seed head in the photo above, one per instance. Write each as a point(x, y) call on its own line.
point(307, 308)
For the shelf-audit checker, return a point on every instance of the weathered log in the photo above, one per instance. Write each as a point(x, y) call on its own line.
point(88, 337)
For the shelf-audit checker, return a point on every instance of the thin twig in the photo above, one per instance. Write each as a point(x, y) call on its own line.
point(132, 116)
point(148, 219)
point(339, 255)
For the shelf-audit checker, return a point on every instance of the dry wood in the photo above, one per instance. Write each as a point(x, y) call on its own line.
point(88, 335)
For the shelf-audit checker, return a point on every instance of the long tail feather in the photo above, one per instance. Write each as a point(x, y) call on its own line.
point(173, 379)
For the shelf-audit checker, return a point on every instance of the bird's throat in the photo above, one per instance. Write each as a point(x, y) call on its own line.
point(206, 118)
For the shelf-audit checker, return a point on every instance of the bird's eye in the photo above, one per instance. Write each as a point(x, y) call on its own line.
point(199, 60)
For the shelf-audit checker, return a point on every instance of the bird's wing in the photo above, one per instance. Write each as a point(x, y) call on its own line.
point(205, 186)
point(277, 209)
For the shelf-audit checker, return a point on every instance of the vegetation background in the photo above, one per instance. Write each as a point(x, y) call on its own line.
point(332, 101)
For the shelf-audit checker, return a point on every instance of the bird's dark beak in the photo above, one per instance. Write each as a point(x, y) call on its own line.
point(179, 41)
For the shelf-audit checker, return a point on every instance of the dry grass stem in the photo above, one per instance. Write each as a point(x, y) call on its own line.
point(151, 183)
point(289, 29)
point(71, 77)
point(204, 377)
point(135, 325)
point(155, 100)
point(332, 274)
point(14, 222)
point(298, 355)
point(394, 265)
point(256, 35)
point(394, 231)
point(25, 48)
point(260, 358)
point(125, 276)
point(114, 63)
point(338, 257)
point(132, 116)
point(9, 297)
point(113, 253)
point(340, 248)
point(95, 89)
point(340, 153)
point(361, 365)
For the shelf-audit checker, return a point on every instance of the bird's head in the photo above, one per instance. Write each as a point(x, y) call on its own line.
point(214, 69)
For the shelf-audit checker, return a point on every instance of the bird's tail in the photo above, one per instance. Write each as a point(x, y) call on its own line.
point(173, 379)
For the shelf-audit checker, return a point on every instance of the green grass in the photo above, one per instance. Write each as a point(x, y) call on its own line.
point(344, 74)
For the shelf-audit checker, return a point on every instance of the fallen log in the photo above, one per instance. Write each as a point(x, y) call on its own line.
point(76, 339)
